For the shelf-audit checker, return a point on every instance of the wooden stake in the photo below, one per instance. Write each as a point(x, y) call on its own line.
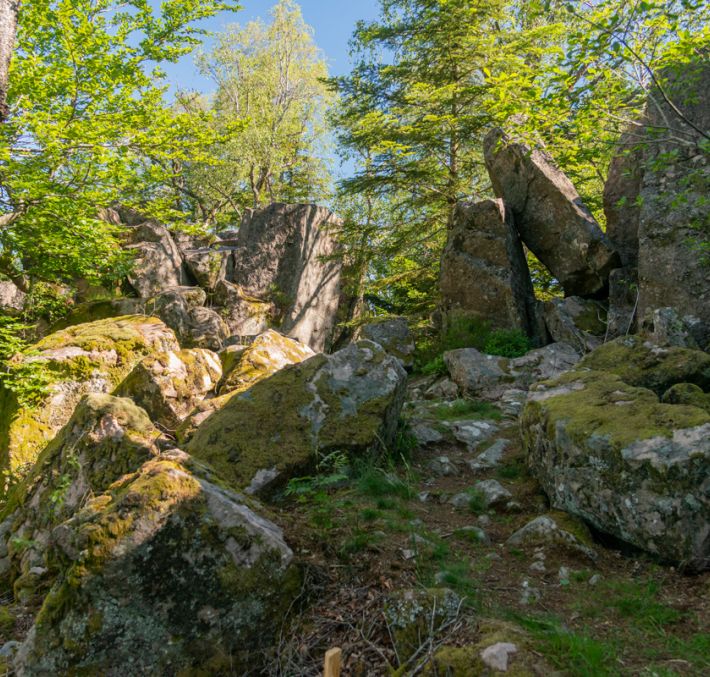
point(333, 662)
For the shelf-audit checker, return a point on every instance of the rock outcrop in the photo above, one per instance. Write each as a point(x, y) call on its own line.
point(347, 402)
point(170, 385)
point(207, 264)
point(608, 451)
point(550, 216)
point(284, 255)
point(245, 315)
point(85, 358)
point(484, 273)
point(394, 335)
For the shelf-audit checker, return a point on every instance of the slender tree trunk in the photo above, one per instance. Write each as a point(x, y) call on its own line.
point(8, 29)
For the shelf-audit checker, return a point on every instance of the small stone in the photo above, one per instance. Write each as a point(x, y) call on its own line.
point(493, 491)
point(538, 566)
point(475, 532)
point(425, 434)
point(472, 433)
point(595, 580)
point(442, 466)
point(530, 595)
point(484, 520)
point(423, 496)
point(461, 501)
point(408, 554)
point(491, 457)
point(563, 576)
point(9, 649)
point(496, 656)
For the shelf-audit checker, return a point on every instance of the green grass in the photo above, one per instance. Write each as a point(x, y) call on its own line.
point(477, 501)
point(459, 409)
point(376, 483)
point(576, 653)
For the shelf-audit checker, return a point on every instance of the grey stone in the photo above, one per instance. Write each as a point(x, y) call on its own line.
point(443, 466)
point(669, 329)
point(580, 323)
point(472, 433)
point(550, 216)
point(442, 389)
point(206, 264)
point(496, 656)
point(544, 530)
point(484, 273)
point(493, 492)
point(394, 335)
point(12, 300)
point(426, 435)
point(245, 315)
point(622, 317)
point(473, 371)
point(491, 457)
point(285, 254)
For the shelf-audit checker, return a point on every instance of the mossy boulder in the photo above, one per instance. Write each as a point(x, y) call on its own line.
point(105, 438)
point(349, 401)
point(640, 362)
point(163, 573)
point(631, 466)
point(244, 314)
point(169, 385)
point(86, 358)
point(687, 393)
point(242, 368)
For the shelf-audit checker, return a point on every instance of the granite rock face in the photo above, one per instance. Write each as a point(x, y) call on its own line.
point(206, 264)
point(484, 273)
point(282, 256)
point(12, 299)
point(245, 315)
point(347, 402)
point(578, 322)
point(550, 216)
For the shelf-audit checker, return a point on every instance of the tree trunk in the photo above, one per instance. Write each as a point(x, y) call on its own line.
point(8, 28)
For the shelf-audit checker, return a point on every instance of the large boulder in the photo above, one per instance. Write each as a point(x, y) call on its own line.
point(578, 322)
point(348, 402)
point(270, 352)
point(484, 273)
point(394, 335)
point(477, 373)
point(147, 563)
point(550, 216)
point(12, 299)
point(245, 315)
point(170, 385)
point(157, 264)
point(82, 359)
point(205, 262)
point(105, 438)
point(613, 455)
point(286, 254)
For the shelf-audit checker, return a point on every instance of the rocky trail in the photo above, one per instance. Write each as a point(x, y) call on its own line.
point(525, 579)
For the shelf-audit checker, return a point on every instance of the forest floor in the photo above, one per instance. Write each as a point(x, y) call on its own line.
point(388, 529)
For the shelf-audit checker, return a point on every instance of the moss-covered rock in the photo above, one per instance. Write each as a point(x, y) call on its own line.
point(631, 466)
point(163, 573)
point(81, 359)
point(169, 385)
point(687, 393)
point(242, 368)
point(639, 362)
point(105, 438)
point(348, 402)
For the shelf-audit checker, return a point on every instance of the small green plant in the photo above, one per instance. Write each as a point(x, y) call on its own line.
point(507, 343)
point(376, 482)
point(477, 501)
point(466, 408)
point(435, 367)
point(332, 470)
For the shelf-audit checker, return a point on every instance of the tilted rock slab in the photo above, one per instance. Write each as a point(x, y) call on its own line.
point(484, 273)
point(205, 262)
point(85, 358)
point(346, 402)
point(550, 216)
point(282, 256)
point(169, 385)
point(613, 455)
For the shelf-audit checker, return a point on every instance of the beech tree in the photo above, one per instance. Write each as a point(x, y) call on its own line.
point(86, 108)
point(8, 28)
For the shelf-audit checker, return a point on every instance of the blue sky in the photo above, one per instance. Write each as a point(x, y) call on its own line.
point(332, 20)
